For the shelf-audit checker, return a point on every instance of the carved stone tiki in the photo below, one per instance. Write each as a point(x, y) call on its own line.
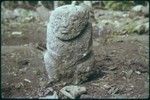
point(69, 55)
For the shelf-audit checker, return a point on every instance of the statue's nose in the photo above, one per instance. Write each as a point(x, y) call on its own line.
point(65, 28)
point(65, 24)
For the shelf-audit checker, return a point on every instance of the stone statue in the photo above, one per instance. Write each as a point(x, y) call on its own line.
point(69, 55)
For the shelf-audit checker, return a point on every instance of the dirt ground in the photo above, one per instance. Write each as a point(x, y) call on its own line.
point(124, 64)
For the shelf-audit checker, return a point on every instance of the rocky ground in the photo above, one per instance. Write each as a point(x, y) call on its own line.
point(120, 45)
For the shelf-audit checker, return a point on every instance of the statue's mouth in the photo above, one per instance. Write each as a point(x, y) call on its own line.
point(64, 32)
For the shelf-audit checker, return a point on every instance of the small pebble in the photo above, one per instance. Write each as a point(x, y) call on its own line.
point(27, 80)
point(138, 72)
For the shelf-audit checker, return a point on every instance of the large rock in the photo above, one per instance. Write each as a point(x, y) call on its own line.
point(69, 44)
point(142, 9)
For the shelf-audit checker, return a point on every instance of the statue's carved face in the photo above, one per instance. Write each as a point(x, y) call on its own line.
point(68, 21)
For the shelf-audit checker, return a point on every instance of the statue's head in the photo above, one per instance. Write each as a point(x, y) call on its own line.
point(68, 21)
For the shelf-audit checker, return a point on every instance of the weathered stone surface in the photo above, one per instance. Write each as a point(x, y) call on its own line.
point(73, 91)
point(69, 44)
point(70, 25)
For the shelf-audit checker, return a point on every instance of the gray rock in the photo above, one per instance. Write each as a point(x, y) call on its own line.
point(69, 44)
point(54, 96)
point(137, 8)
point(73, 91)
point(142, 28)
point(142, 9)
point(43, 13)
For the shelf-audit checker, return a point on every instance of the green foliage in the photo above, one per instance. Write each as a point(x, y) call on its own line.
point(33, 3)
point(118, 5)
point(9, 4)
point(129, 28)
